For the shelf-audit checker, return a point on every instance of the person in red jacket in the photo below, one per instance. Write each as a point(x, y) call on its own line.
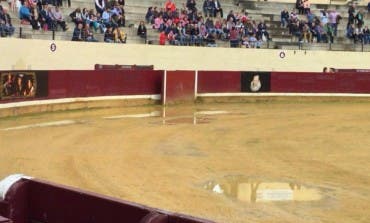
point(162, 38)
point(170, 6)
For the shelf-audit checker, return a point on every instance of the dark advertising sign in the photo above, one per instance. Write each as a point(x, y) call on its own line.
point(23, 84)
point(255, 81)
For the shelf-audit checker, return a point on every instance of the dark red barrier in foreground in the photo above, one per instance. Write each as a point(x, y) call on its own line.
point(320, 82)
point(219, 81)
point(38, 201)
point(66, 84)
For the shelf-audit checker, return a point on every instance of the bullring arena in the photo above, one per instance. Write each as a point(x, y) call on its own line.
point(228, 135)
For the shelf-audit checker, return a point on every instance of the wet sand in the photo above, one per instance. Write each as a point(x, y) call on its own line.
point(167, 162)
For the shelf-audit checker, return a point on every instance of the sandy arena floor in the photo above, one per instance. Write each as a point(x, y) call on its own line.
point(248, 153)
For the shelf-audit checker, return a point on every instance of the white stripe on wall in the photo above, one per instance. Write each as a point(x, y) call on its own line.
point(282, 94)
point(80, 99)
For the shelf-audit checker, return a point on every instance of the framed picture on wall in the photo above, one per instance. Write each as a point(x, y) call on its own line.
point(18, 85)
point(255, 81)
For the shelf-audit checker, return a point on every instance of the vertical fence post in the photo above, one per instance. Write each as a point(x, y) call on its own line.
point(53, 34)
point(20, 32)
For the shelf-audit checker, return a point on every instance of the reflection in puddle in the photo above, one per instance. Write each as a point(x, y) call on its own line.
point(262, 191)
point(143, 115)
point(186, 120)
point(179, 117)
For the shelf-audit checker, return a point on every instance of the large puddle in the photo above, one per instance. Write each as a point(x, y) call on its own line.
point(170, 118)
point(252, 190)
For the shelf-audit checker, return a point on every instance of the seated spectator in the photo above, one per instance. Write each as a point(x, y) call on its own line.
point(360, 18)
point(366, 33)
point(78, 33)
point(158, 23)
point(183, 37)
point(57, 16)
point(319, 33)
point(25, 13)
point(108, 35)
point(231, 16)
point(106, 18)
point(6, 27)
point(45, 18)
point(218, 8)
point(88, 36)
point(307, 33)
point(254, 42)
point(84, 14)
point(92, 21)
point(119, 35)
point(350, 31)
point(210, 40)
point(76, 16)
point(141, 30)
point(234, 38)
point(118, 15)
point(262, 31)
point(170, 6)
point(284, 18)
point(358, 35)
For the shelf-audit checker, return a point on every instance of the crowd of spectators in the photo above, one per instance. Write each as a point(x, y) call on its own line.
point(42, 15)
point(188, 25)
point(323, 27)
point(107, 19)
point(356, 29)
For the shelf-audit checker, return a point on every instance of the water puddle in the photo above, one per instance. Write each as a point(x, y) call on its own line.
point(253, 191)
point(141, 115)
point(174, 116)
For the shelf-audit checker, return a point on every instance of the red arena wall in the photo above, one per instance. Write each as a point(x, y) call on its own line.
point(320, 82)
point(218, 81)
point(103, 83)
point(179, 85)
